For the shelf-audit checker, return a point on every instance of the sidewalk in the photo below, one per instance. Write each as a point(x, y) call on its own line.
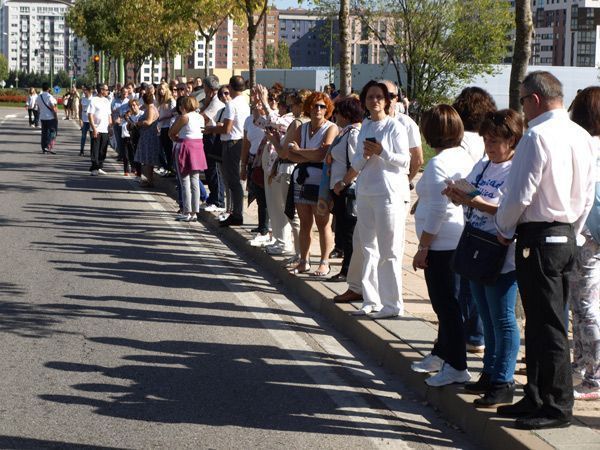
point(396, 343)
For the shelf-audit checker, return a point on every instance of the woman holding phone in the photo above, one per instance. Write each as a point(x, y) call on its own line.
point(382, 160)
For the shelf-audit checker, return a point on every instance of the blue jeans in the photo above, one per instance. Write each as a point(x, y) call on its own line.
point(85, 129)
point(496, 306)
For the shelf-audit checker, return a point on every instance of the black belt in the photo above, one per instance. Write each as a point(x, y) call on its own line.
point(535, 227)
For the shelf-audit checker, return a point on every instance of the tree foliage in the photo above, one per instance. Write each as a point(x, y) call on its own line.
point(284, 61)
point(253, 12)
point(3, 67)
point(270, 57)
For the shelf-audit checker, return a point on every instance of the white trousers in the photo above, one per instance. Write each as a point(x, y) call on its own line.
point(354, 276)
point(381, 222)
point(283, 230)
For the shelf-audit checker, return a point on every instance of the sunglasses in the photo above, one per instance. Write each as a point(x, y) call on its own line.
point(225, 93)
point(497, 119)
point(522, 99)
point(393, 96)
point(319, 106)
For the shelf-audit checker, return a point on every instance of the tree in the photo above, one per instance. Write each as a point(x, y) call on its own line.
point(283, 56)
point(521, 51)
point(208, 16)
point(443, 44)
point(345, 48)
point(270, 57)
point(254, 12)
point(3, 67)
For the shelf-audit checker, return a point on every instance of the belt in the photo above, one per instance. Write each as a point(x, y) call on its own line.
point(535, 227)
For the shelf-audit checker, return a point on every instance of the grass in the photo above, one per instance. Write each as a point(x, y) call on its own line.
point(428, 153)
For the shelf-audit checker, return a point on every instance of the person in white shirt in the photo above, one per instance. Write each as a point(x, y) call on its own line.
point(496, 301)
point(100, 119)
point(232, 133)
point(84, 122)
point(46, 105)
point(439, 225)
point(549, 194)
point(30, 104)
point(382, 160)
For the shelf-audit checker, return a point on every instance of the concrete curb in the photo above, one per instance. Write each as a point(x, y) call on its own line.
point(390, 351)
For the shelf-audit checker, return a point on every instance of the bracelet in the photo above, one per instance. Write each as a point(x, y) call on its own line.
point(422, 247)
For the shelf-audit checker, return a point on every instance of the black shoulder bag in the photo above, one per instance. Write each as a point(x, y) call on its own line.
point(212, 143)
point(479, 256)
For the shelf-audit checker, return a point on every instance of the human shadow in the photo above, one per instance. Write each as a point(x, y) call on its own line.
point(245, 385)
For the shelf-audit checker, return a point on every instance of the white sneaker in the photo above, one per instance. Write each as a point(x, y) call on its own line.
point(101, 172)
point(364, 311)
point(261, 240)
point(211, 208)
point(448, 375)
point(430, 363)
point(94, 173)
point(586, 392)
point(183, 217)
point(223, 216)
point(278, 249)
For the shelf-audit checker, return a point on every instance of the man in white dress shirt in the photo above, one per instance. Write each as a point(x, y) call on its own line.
point(549, 194)
point(100, 118)
point(46, 104)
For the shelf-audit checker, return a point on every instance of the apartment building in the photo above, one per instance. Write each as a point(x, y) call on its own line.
point(35, 38)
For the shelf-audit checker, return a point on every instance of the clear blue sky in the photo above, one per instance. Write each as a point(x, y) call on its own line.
point(284, 4)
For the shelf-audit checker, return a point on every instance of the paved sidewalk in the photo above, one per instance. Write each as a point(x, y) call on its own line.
point(396, 343)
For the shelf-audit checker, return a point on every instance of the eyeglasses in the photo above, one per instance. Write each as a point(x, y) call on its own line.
point(393, 96)
point(181, 89)
point(226, 93)
point(522, 99)
point(319, 106)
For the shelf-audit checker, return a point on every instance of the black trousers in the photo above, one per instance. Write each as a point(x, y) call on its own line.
point(48, 128)
point(543, 263)
point(344, 229)
point(216, 186)
point(166, 145)
point(98, 153)
point(34, 116)
point(442, 284)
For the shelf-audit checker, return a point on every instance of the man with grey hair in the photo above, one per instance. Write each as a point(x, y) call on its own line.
point(548, 195)
point(211, 105)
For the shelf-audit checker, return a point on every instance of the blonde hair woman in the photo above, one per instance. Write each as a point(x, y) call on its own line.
point(166, 105)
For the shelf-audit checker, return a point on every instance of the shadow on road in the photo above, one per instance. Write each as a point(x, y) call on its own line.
point(250, 386)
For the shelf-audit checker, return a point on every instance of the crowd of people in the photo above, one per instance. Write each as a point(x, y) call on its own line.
point(519, 193)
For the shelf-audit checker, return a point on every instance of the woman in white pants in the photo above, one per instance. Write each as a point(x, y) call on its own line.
point(382, 160)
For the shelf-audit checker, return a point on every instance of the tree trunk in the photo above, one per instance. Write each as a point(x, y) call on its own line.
point(522, 50)
point(345, 48)
point(167, 65)
point(206, 63)
point(252, 55)
point(152, 70)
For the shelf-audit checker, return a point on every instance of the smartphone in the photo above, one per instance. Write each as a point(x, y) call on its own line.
point(371, 139)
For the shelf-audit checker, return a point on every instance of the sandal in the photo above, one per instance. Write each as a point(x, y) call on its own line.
point(303, 266)
point(319, 273)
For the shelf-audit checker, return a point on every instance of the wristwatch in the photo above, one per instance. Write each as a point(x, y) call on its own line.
point(343, 183)
point(422, 247)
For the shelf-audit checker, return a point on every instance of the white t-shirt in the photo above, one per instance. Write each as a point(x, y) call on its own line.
point(100, 110)
point(46, 112)
point(473, 143)
point(436, 214)
point(254, 134)
point(192, 129)
point(237, 110)
point(214, 107)
point(85, 103)
point(311, 142)
point(491, 185)
point(414, 134)
point(348, 140)
point(385, 174)
point(31, 100)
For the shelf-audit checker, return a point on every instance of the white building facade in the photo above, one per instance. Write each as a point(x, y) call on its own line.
point(34, 37)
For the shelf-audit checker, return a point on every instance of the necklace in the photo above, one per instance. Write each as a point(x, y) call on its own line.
point(312, 132)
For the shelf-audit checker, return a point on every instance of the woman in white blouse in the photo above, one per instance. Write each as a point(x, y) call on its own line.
point(382, 160)
point(166, 105)
point(439, 225)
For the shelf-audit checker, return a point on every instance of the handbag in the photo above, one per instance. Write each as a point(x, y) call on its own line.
point(479, 256)
point(350, 191)
point(213, 148)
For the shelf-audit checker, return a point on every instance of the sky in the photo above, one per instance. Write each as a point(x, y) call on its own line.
point(284, 4)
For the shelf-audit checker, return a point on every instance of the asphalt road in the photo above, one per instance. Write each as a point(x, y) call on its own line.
point(120, 328)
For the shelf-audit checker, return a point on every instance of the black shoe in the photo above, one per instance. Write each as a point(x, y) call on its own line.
point(44, 151)
point(231, 221)
point(481, 386)
point(338, 278)
point(52, 152)
point(260, 230)
point(540, 422)
point(522, 408)
point(497, 394)
point(80, 153)
point(336, 253)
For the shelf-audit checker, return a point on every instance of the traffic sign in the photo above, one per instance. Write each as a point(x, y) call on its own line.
point(56, 89)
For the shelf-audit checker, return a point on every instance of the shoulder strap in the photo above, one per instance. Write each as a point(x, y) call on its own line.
point(348, 164)
point(45, 104)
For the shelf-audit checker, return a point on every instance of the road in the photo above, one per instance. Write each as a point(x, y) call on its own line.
point(121, 328)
